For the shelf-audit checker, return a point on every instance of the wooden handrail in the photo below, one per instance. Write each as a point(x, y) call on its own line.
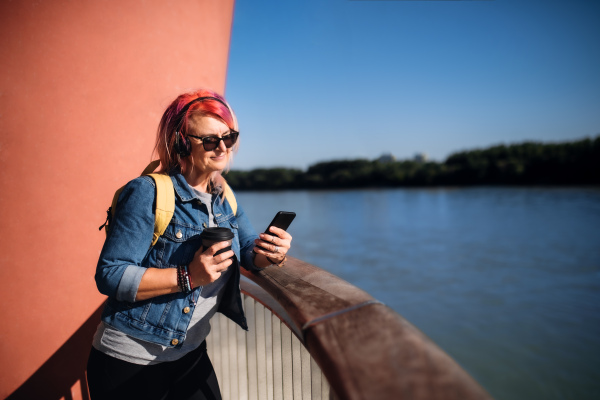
point(365, 349)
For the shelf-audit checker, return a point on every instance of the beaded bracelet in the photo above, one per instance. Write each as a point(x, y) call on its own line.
point(180, 280)
point(188, 284)
point(184, 280)
point(189, 278)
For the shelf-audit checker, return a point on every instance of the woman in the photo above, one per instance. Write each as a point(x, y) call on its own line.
point(151, 341)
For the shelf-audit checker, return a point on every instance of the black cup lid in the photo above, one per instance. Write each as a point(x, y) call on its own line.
point(218, 234)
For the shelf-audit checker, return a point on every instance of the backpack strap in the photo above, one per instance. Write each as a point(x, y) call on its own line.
point(165, 200)
point(228, 193)
point(165, 204)
point(150, 168)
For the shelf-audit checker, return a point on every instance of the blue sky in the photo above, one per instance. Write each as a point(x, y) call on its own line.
point(319, 80)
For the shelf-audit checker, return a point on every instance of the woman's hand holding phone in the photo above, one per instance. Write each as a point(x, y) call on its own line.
point(274, 245)
point(275, 242)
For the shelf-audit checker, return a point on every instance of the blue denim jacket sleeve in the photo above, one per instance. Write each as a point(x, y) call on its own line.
point(119, 270)
point(247, 237)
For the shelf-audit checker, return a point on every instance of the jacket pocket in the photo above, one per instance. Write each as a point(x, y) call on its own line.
point(133, 311)
point(177, 245)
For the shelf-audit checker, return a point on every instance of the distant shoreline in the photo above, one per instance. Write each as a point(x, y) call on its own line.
point(528, 163)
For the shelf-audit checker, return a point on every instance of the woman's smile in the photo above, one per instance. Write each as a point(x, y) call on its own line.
point(220, 157)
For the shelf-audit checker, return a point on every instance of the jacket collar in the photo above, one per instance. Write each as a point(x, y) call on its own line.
point(183, 190)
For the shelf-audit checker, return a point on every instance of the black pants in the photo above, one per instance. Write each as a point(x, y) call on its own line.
point(189, 378)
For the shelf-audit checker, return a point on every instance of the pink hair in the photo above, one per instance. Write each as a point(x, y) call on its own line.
point(171, 121)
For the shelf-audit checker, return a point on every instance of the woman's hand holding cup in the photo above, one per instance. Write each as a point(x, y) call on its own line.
point(206, 267)
point(213, 257)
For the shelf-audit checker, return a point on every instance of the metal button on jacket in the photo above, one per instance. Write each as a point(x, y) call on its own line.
point(178, 235)
point(174, 342)
point(186, 310)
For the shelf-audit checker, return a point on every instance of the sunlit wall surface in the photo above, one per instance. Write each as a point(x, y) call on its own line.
point(82, 88)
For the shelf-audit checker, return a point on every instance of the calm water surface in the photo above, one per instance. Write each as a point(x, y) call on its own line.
point(505, 280)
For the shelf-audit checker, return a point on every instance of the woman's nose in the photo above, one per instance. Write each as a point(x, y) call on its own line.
point(222, 146)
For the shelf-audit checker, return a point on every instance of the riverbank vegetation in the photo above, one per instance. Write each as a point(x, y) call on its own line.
point(529, 163)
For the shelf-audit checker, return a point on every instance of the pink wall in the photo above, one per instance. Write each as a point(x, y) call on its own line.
point(82, 88)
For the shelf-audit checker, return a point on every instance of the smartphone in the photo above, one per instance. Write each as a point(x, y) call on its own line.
point(282, 220)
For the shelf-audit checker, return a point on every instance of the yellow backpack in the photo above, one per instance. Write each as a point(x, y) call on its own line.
point(165, 201)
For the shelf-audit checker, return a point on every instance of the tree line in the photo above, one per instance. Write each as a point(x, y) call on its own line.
point(528, 163)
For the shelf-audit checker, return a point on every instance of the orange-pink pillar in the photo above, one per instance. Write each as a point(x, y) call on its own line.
point(82, 87)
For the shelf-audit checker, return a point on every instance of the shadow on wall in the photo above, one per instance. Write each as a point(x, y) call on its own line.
point(63, 375)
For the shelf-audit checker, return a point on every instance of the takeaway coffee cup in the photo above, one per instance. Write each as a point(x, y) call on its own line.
point(211, 236)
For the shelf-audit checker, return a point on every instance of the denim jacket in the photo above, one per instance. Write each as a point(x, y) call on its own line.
point(127, 254)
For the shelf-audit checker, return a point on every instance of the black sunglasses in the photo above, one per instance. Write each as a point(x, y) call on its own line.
point(212, 142)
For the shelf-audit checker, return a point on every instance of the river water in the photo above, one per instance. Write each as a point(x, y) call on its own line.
point(505, 280)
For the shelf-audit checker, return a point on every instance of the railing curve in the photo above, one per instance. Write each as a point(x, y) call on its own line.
point(364, 349)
